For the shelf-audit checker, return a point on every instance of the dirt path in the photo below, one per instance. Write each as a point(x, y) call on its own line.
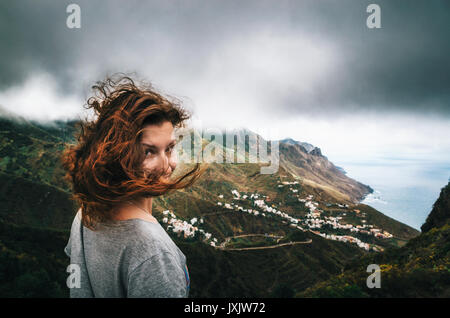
point(222, 246)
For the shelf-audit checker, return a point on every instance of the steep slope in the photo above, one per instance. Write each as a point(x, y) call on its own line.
point(316, 171)
point(421, 268)
point(440, 214)
point(307, 146)
point(30, 151)
point(32, 262)
point(32, 203)
point(37, 200)
point(306, 163)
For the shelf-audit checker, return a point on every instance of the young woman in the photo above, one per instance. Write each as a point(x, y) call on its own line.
point(122, 160)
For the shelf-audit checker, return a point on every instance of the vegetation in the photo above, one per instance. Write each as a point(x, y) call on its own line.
point(37, 212)
point(32, 262)
point(421, 268)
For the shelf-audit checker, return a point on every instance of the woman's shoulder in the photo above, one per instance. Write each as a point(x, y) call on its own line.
point(151, 242)
point(141, 238)
point(146, 238)
point(155, 240)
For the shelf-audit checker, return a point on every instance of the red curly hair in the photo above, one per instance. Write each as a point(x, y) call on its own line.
point(105, 167)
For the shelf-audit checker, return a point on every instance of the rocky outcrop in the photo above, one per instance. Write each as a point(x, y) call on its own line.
point(440, 214)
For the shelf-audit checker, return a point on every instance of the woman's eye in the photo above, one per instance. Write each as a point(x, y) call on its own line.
point(150, 152)
point(170, 149)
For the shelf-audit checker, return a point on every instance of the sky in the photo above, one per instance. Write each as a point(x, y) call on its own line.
point(309, 70)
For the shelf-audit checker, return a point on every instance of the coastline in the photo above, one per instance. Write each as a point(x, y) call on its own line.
point(403, 192)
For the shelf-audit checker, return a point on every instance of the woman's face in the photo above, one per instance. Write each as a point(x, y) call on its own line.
point(158, 142)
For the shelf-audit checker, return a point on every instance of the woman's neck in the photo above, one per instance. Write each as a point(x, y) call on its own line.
point(141, 210)
point(144, 205)
point(147, 205)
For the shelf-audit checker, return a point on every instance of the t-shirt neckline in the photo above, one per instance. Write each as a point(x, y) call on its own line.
point(131, 220)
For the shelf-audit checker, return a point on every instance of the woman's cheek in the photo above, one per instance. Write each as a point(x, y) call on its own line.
point(173, 161)
point(149, 164)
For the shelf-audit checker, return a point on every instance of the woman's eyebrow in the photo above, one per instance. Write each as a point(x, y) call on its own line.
point(149, 146)
point(173, 141)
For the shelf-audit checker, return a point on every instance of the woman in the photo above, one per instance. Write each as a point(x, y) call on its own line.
point(123, 159)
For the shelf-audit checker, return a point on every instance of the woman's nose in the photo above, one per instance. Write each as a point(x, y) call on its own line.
point(165, 165)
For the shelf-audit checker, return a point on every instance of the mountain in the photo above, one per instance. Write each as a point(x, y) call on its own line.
point(421, 268)
point(308, 147)
point(321, 175)
point(440, 214)
point(306, 162)
point(341, 170)
point(308, 202)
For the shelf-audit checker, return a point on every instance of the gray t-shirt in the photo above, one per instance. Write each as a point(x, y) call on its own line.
point(128, 258)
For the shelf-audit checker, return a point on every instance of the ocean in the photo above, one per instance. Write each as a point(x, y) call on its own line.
point(404, 189)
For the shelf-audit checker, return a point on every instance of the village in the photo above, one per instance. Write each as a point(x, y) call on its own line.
point(315, 221)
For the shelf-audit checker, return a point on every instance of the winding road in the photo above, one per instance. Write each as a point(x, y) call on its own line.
point(222, 246)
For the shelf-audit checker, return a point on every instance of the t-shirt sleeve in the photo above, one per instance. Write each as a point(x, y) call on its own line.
point(160, 276)
point(67, 248)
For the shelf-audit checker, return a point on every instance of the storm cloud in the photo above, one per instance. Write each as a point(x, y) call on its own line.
point(281, 58)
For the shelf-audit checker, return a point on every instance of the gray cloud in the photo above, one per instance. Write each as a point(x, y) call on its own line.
point(214, 47)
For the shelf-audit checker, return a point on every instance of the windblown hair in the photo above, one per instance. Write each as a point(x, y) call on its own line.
point(105, 168)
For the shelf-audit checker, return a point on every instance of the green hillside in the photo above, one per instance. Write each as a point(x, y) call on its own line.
point(421, 268)
point(37, 212)
point(32, 262)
